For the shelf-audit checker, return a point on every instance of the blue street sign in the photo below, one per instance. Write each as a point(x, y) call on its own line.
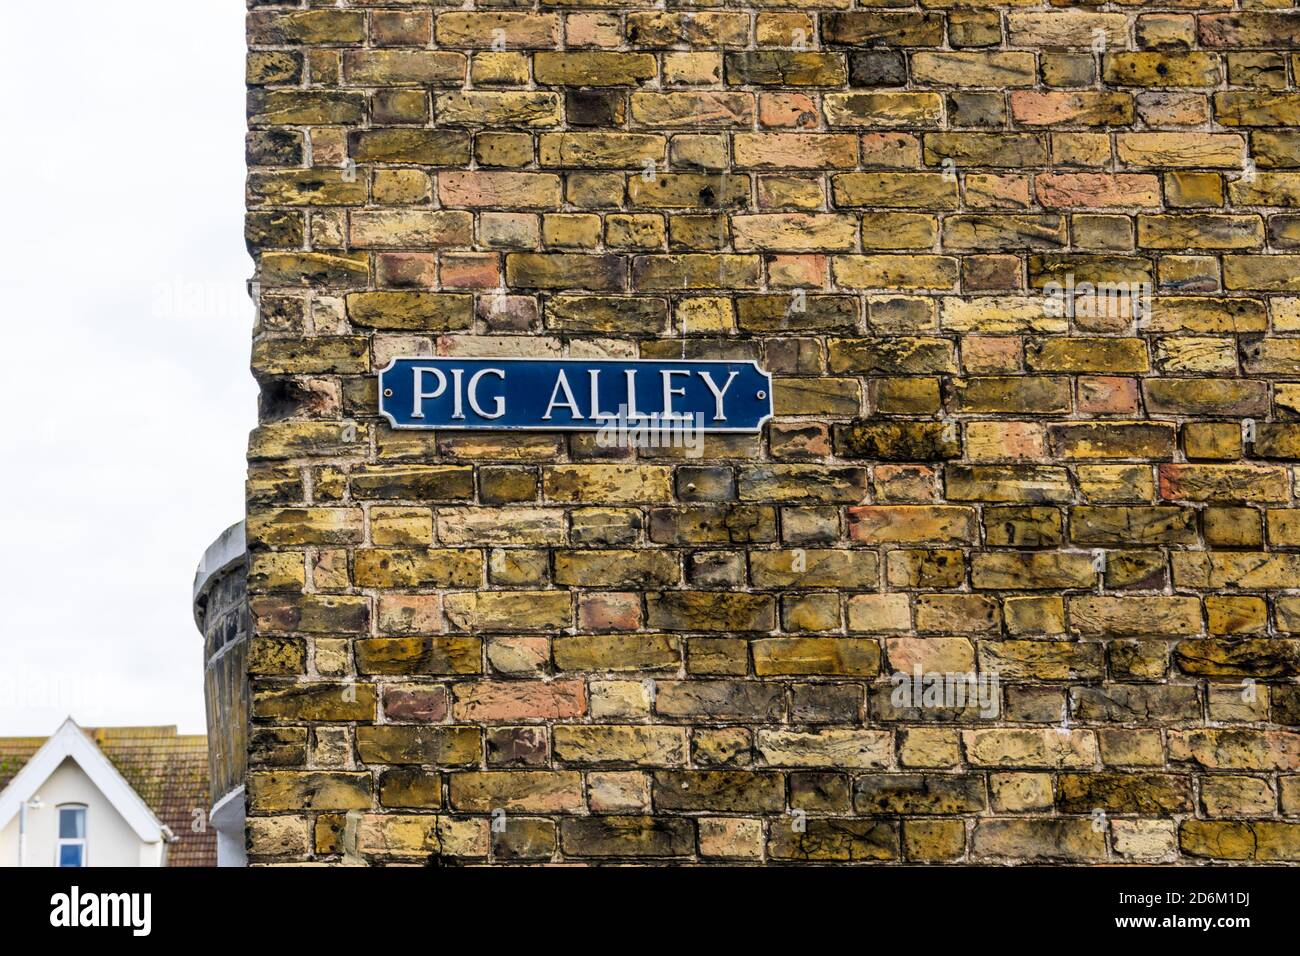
point(573, 394)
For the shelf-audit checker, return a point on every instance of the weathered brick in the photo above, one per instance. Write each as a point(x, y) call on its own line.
point(1030, 748)
point(918, 794)
point(832, 747)
point(617, 653)
point(744, 701)
point(1198, 482)
point(1071, 109)
point(311, 613)
point(591, 68)
point(869, 28)
point(1124, 527)
point(400, 744)
point(1251, 657)
point(640, 746)
point(1044, 570)
point(308, 790)
point(710, 611)
point(1039, 839)
point(1135, 615)
point(795, 150)
point(806, 656)
point(305, 107)
point(724, 790)
point(404, 67)
point(1262, 840)
point(1231, 749)
point(600, 150)
point(495, 702)
point(826, 840)
point(628, 836)
point(1041, 660)
point(1147, 794)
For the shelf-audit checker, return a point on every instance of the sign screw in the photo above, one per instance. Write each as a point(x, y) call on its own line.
point(388, 393)
point(762, 395)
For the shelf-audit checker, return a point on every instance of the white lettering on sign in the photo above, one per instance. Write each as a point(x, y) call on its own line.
point(457, 406)
point(630, 375)
point(669, 391)
point(596, 413)
point(468, 392)
point(718, 393)
point(499, 402)
point(417, 409)
point(571, 403)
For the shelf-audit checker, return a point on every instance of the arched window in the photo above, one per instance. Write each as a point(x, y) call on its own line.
point(71, 847)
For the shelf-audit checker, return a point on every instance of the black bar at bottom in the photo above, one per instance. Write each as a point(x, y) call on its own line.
point(929, 905)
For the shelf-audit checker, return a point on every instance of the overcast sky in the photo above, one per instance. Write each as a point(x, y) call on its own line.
point(126, 332)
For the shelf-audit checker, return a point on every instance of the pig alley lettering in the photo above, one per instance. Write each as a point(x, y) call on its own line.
point(572, 394)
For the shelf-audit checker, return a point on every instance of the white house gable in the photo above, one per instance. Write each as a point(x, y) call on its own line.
point(79, 810)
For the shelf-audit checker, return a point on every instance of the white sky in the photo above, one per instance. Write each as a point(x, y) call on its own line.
point(126, 331)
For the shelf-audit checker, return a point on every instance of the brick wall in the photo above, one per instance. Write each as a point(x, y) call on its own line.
point(641, 655)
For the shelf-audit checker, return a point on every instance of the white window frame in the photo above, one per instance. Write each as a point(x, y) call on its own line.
point(84, 841)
